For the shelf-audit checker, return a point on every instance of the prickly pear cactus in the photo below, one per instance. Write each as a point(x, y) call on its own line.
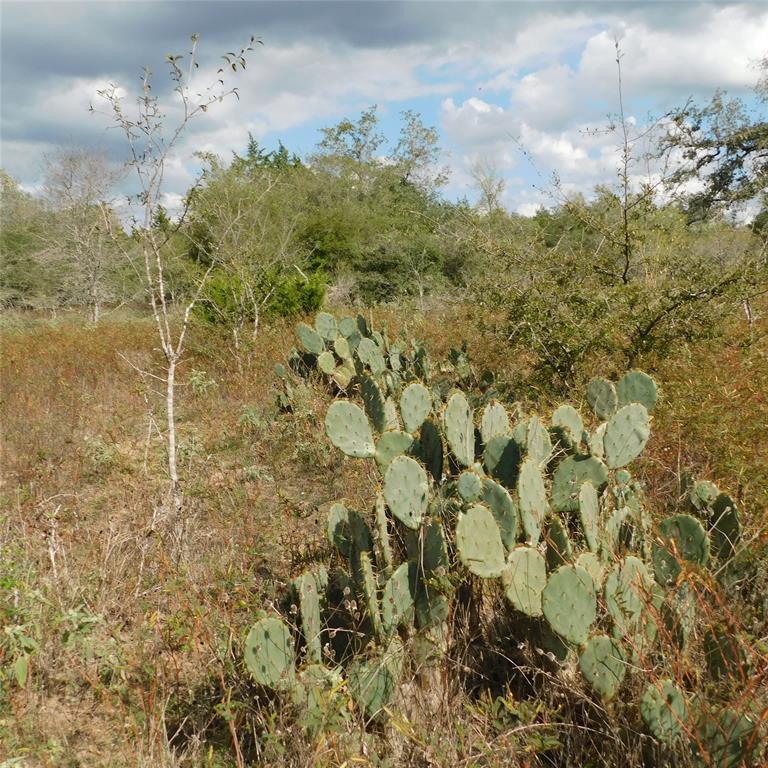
point(549, 518)
point(269, 653)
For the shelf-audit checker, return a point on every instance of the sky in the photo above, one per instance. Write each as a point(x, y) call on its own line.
point(527, 88)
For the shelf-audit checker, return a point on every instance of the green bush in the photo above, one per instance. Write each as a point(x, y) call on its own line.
point(226, 298)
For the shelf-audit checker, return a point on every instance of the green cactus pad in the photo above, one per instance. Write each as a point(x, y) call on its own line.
point(494, 421)
point(724, 527)
point(415, 406)
point(397, 601)
point(702, 494)
point(682, 536)
point(347, 531)
point(538, 443)
point(310, 339)
point(347, 326)
point(478, 542)
point(568, 425)
point(373, 681)
point(727, 738)
point(341, 348)
point(503, 509)
point(362, 325)
point(602, 398)
point(319, 697)
point(269, 653)
point(459, 429)
point(570, 475)
point(373, 401)
point(369, 354)
point(369, 593)
point(559, 550)
point(386, 557)
point(325, 325)
point(532, 497)
point(628, 591)
point(626, 435)
point(664, 710)
point(637, 387)
point(502, 459)
point(569, 603)
point(343, 375)
point(590, 562)
point(618, 533)
point(589, 515)
point(524, 580)
point(326, 362)
point(603, 665)
point(596, 442)
point(406, 490)
point(348, 429)
point(431, 450)
point(724, 654)
point(309, 593)
point(469, 486)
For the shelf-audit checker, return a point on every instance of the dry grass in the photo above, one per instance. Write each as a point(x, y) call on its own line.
point(136, 635)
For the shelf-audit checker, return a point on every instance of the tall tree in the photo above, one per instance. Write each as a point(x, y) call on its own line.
point(79, 185)
point(723, 148)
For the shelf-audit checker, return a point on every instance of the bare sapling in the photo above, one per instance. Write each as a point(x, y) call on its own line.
point(152, 141)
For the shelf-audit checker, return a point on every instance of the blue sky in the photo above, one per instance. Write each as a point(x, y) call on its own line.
point(502, 82)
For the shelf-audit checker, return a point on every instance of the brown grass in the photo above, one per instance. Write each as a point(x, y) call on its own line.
point(137, 637)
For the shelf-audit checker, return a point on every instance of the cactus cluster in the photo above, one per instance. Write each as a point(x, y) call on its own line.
point(550, 513)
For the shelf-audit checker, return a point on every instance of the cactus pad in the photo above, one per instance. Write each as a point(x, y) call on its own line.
point(589, 515)
point(627, 594)
point(397, 601)
point(382, 534)
point(568, 425)
point(538, 443)
point(348, 429)
point(727, 737)
point(637, 387)
point(682, 536)
point(390, 445)
point(308, 588)
point(524, 580)
point(347, 531)
point(664, 710)
point(406, 489)
point(469, 486)
point(503, 509)
point(373, 401)
point(415, 406)
point(325, 325)
point(326, 362)
point(590, 562)
point(602, 398)
point(724, 527)
point(431, 450)
point(569, 476)
point(459, 429)
point(479, 543)
point(373, 681)
point(559, 550)
point(269, 653)
point(532, 496)
point(569, 603)
point(369, 354)
point(603, 665)
point(369, 593)
point(626, 435)
point(502, 459)
point(494, 421)
point(310, 339)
